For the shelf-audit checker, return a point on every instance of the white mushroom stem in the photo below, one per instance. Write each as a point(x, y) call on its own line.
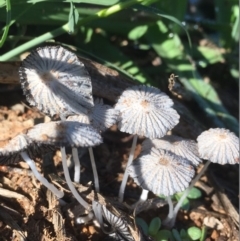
point(125, 176)
point(171, 220)
point(85, 219)
point(170, 212)
point(40, 178)
point(144, 195)
point(77, 166)
point(95, 175)
point(69, 182)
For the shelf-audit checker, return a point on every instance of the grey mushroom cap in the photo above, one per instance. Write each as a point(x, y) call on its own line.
point(65, 133)
point(56, 82)
point(10, 153)
point(162, 172)
point(181, 147)
point(146, 111)
point(101, 116)
point(219, 145)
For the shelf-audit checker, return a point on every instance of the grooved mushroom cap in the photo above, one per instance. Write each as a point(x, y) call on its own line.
point(175, 144)
point(219, 145)
point(10, 152)
point(146, 111)
point(56, 82)
point(162, 172)
point(119, 225)
point(65, 133)
point(101, 116)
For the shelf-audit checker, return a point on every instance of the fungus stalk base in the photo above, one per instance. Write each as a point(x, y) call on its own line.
point(69, 182)
point(95, 175)
point(170, 212)
point(144, 195)
point(40, 178)
point(125, 176)
point(170, 221)
point(77, 166)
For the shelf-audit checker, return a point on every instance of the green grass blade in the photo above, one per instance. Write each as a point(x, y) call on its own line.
point(8, 21)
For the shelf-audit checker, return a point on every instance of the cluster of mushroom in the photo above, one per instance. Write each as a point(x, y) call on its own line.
point(58, 84)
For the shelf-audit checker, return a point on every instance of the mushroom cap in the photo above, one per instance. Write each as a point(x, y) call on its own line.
point(56, 82)
point(118, 224)
point(101, 116)
point(65, 133)
point(219, 145)
point(162, 172)
point(175, 144)
point(146, 111)
point(10, 152)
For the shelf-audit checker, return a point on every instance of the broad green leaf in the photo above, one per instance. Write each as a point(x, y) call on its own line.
point(142, 223)
point(194, 193)
point(185, 204)
point(164, 235)
point(184, 235)
point(137, 32)
point(194, 233)
point(176, 235)
point(210, 54)
point(154, 226)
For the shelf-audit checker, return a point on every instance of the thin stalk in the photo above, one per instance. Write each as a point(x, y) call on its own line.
point(69, 182)
point(95, 175)
point(40, 178)
point(185, 194)
point(77, 165)
point(170, 212)
point(8, 22)
point(143, 196)
point(125, 176)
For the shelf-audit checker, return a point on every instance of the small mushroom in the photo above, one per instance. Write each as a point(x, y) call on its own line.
point(21, 147)
point(66, 133)
point(101, 117)
point(218, 145)
point(144, 111)
point(176, 144)
point(161, 172)
point(56, 82)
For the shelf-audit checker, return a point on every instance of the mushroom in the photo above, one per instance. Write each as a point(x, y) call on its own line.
point(101, 117)
point(161, 172)
point(22, 147)
point(177, 145)
point(218, 145)
point(66, 133)
point(56, 82)
point(144, 111)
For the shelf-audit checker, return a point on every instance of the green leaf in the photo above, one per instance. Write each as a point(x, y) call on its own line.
point(194, 193)
point(141, 222)
point(176, 235)
point(194, 233)
point(185, 204)
point(8, 22)
point(73, 18)
point(137, 32)
point(212, 55)
point(184, 235)
point(154, 226)
point(164, 235)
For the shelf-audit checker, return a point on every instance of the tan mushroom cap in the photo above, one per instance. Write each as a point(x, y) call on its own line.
point(146, 111)
point(219, 145)
point(56, 82)
point(101, 116)
point(65, 133)
point(181, 147)
point(162, 172)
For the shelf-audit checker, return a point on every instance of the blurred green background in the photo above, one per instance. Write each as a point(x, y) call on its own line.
point(197, 40)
